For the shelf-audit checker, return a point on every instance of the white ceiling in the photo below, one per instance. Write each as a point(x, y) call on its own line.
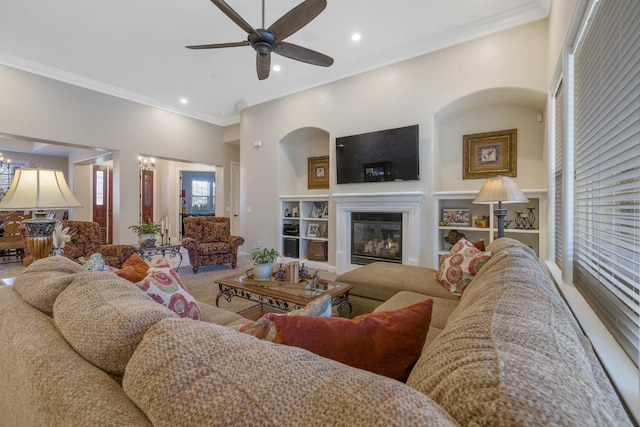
point(134, 49)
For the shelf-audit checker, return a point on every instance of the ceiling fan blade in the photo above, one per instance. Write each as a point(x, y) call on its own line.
point(218, 45)
point(227, 10)
point(297, 18)
point(303, 54)
point(263, 65)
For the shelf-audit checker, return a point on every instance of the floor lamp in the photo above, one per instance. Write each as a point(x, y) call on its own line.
point(39, 190)
point(500, 189)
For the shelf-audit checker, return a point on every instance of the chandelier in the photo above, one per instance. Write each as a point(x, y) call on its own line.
point(5, 166)
point(146, 163)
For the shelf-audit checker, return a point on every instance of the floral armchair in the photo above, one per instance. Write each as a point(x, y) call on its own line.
point(208, 241)
point(86, 240)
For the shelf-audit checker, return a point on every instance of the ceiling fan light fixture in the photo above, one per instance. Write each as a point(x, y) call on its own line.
point(265, 41)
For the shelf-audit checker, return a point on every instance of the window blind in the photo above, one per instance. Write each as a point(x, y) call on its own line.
point(607, 168)
point(558, 172)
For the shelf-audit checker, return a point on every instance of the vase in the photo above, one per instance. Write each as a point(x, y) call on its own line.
point(262, 271)
point(147, 240)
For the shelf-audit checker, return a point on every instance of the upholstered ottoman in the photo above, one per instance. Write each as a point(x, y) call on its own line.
point(375, 283)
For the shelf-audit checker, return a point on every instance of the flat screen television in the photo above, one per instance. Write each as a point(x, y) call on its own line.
point(386, 155)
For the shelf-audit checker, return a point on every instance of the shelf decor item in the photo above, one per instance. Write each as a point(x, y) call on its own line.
point(500, 189)
point(531, 218)
point(456, 216)
point(318, 172)
point(489, 154)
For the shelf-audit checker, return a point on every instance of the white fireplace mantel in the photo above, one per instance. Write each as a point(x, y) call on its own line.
point(407, 203)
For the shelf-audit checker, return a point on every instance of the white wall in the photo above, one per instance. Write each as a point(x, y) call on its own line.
point(410, 92)
point(530, 138)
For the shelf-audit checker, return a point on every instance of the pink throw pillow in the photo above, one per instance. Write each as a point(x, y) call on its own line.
point(165, 287)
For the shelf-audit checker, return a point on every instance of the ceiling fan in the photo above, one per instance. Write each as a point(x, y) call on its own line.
point(265, 41)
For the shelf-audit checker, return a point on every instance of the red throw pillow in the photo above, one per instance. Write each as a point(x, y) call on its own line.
point(134, 269)
point(386, 343)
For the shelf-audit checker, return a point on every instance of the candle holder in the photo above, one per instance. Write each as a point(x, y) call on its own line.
point(531, 218)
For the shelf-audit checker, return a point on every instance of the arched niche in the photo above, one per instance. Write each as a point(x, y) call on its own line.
point(294, 149)
point(486, 111)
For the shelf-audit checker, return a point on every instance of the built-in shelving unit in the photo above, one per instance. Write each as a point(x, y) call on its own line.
point(465, 217)
point(304, 219)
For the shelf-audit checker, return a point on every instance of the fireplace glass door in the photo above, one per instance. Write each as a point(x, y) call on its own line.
point(376, 236)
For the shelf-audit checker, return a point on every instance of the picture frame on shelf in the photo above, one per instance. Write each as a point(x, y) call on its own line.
point(313, 230)
point(318, 172)
point(319, 209)
point(455, 216)
point(489, 154)
point(324, 230)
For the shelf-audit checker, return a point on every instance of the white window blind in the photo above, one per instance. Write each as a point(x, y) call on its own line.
point(607, 168)
point(559, 147)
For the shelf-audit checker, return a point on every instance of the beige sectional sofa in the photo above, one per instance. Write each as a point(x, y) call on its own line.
point(90, 349)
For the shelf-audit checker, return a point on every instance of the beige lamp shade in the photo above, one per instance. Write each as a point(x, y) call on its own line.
point(38, 189)
point(500, 189)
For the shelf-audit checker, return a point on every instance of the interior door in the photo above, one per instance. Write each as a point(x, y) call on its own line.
point(235, 198)
point(146, 197)
point(101, 199)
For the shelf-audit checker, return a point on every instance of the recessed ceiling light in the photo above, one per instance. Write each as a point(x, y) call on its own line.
point(356, 37)
point(184, 101)
point(276, 68)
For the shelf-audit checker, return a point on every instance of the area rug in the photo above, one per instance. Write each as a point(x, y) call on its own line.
point(203, 284)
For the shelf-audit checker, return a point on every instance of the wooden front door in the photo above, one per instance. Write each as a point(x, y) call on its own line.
point(102, 198)
point(146, 195)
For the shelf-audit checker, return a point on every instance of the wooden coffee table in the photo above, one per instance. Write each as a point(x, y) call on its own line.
point(282, 296)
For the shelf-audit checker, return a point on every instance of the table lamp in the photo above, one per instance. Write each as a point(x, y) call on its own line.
point(501, 189)
point(39, 189)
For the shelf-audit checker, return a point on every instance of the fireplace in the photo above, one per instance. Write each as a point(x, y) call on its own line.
point(407, 204)
point(376, 236)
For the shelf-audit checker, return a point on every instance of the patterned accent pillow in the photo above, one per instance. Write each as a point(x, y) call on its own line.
point(161, 262)
point(165, 287)
point(264, 328)
point(460, 265)
point(385, 342)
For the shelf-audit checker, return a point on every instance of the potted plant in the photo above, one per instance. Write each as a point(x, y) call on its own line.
point(146, 232)
point(263, 259)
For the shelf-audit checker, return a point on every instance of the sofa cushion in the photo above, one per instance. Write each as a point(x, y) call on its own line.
point(382, 280)
point(44, 382)
point(164, 286)
point(43, 280)
point(386, 342)
point(512, 354)
point(196, 373)
point(460, 265)
point(134, 269)
point(442, 309)
point(265, 329)
point(103, 317)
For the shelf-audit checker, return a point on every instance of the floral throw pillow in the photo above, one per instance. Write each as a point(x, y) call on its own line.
point(460, 265)
point(164, 286)
point(264, 328)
